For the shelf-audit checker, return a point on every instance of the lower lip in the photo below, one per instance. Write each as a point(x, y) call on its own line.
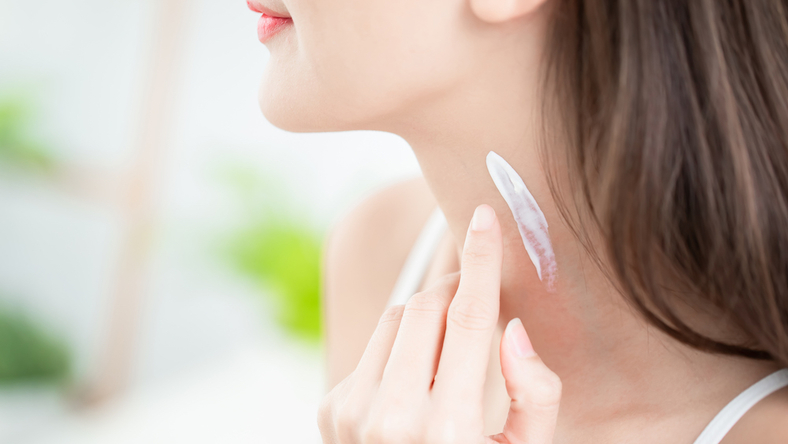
point(268, 27)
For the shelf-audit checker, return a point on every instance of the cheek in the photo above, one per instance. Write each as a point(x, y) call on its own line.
point(347, 67)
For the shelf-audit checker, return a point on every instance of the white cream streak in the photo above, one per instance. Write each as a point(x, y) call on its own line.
point(529, 217)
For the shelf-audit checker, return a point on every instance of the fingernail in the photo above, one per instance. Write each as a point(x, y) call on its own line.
point(518, 339)
point(483, 218)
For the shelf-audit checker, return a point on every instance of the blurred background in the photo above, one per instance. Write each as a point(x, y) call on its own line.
point(160, 241)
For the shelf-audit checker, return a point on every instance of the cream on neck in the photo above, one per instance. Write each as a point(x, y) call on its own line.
point(529, 217)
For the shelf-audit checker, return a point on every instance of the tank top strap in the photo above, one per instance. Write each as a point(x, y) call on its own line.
point(419, 259)
point(731, 413)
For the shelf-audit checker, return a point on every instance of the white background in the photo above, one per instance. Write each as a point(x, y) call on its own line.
point(209, 365)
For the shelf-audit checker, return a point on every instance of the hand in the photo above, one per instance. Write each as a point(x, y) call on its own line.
point(421, 378)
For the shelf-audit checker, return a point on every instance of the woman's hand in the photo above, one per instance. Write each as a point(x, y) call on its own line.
point(421, 378)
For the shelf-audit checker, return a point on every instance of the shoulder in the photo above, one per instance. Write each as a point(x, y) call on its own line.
point(387, 216)
point(766, 422)
point(363, 255)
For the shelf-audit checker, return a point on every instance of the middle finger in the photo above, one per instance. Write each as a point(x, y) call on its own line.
point(414, 355)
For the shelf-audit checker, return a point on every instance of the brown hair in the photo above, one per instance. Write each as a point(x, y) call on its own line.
point(677, 115)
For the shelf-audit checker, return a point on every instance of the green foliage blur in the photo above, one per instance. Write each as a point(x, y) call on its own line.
point(18, 146)
point(277, 250)
point(285, 260)
point(29, 354)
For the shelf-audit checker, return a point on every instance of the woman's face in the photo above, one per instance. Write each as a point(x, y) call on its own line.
point(358, 64)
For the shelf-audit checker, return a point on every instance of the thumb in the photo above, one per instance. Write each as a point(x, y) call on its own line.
point(535, 390)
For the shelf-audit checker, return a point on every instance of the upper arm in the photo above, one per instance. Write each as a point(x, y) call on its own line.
point(363, 255)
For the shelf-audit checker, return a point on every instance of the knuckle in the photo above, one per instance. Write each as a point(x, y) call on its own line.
point(380, 434)
point(471, 313)
point(550, 390)
point(439, 437)
point(372, 435)
point(391, 426)
point(438, 434)
point(545, 394)
point(448, 431)
point(446, 282)
point(348, 422)
point(476, 255)
point(426, 304)
point(392, 314)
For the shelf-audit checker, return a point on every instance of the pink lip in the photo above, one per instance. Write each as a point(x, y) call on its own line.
point(271, 21)
point(269, 26)
point(257, 7)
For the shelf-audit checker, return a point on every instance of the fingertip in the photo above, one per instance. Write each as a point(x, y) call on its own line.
point(517, 339)
point(482, 251)
point(483, 218)
point(526, 375)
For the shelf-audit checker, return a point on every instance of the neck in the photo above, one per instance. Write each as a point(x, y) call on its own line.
point(609, 359)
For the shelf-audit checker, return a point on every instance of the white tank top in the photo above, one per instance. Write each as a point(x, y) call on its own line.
point(418, 261)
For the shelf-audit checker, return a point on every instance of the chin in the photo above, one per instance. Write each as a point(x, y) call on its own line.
point(285, 119)
point(296, 104)
point(294, 101)
point(286, 110)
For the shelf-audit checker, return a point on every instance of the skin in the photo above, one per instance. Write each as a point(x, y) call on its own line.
point(456, 79)
point(421, 378)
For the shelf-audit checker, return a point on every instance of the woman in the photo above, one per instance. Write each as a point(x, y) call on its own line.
point(654, 136)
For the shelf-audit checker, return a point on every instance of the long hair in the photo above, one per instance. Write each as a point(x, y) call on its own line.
point(677, 117)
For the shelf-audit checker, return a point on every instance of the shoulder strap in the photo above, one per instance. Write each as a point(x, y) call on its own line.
point(731, 413)
point(419, 258)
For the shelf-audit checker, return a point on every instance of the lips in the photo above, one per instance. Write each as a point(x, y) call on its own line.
point(257, 7)
point(271, 22)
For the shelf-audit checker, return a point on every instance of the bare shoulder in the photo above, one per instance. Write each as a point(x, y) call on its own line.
point(382, 217)
point(362, 258)
point(765, 423)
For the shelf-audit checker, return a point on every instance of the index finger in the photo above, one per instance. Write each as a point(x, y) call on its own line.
point(473, 313)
